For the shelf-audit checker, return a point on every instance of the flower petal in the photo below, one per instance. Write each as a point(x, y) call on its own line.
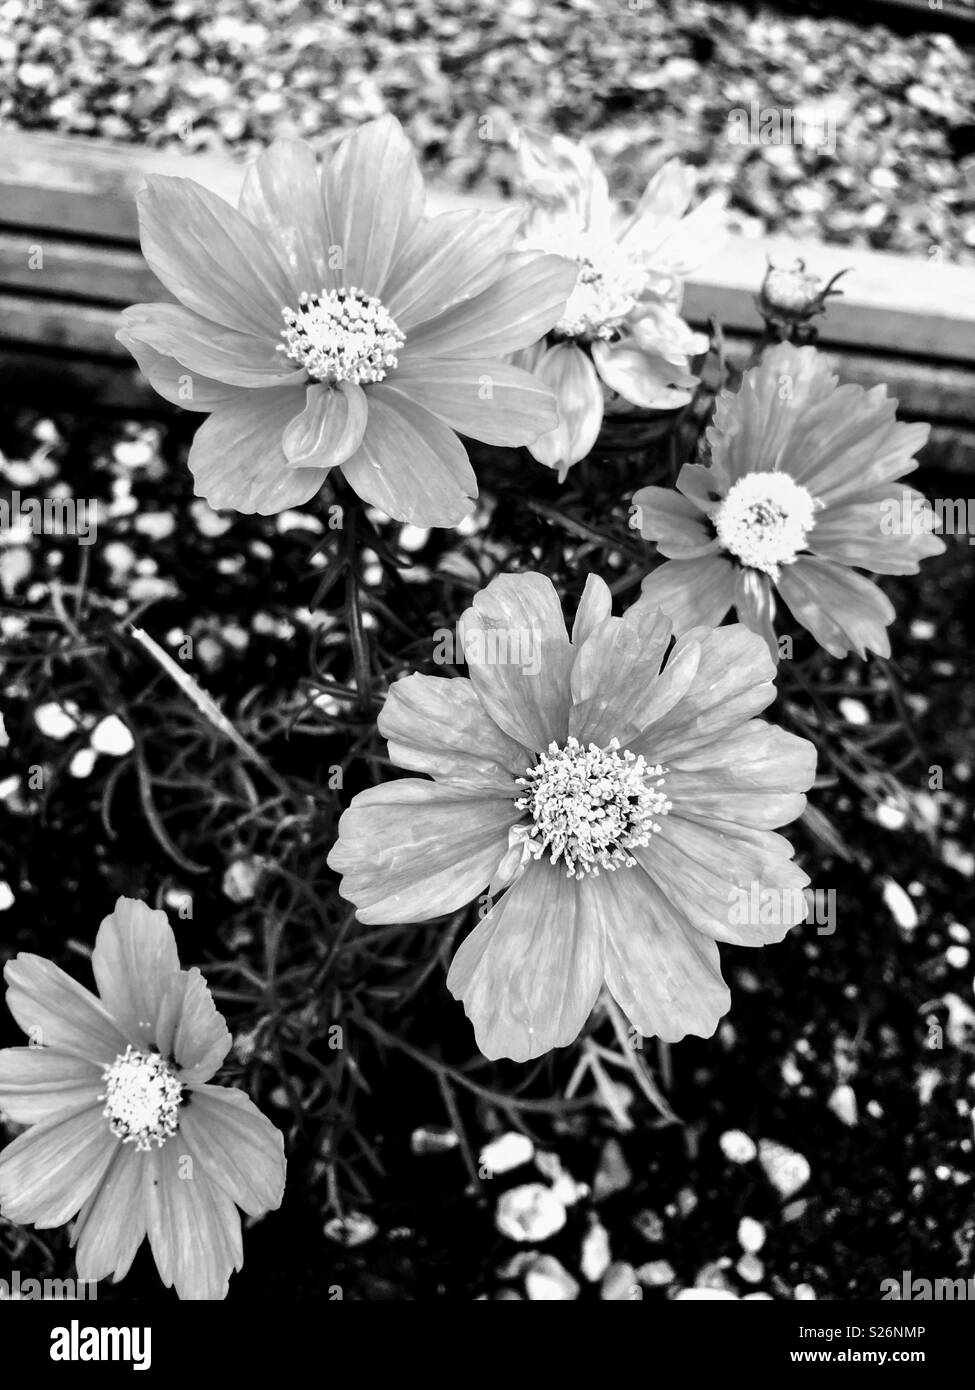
point(734, 680)
point(595, 606)
point(37, 1083)
point(664, 515)
point(282, 197)
point(448, 259)
point(222, 354)
point(642, 378)
point(754, 766)
point(410, 464)
point(839, 607)
point(193, 1226)
point(665, 976)
point(238, 460)
point(329, 429)
point(888, 535)
point(190, 1029)
point(754, 428)
point(570, 374)
point(412, 850)
point(373, 195)
point(240, 1150)
point(518, 614)
point(481, 397)
point(111, 1225)
point(173, 381)
point(209, 256)
point(529, 973)
point(691, 592)
point(755, 605)
point(618, 688)
point(57, 1012)
point(134, 960)
point(515, 311)
point(48, 1173)
point(439, 726)
point(713, 869)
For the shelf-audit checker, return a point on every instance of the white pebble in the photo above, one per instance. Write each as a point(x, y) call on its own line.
point(241, 878)
point(112, 737)
point(351, 1230)
point(549, 1281)
point(700, 1294)
point(890, 815)
point(506, 1152)
point(57, 721)
point(854, 711)
point(82, 763)
point(737, 1147)
point(786, 1170)
point(900, 906)
point(620, 1285)
point(531, 1212)
point(596, 1254)
point(751, 1234)
point(843, 1103)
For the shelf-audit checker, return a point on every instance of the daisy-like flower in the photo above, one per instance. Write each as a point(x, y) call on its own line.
point(620, 804)
point(126, 1133)
point(326, 323)
point(621, 337)
point(795, 501)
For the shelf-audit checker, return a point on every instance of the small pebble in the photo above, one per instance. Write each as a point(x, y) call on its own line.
point(531, 1212)
point(737, 1147)
point(547, 1280)
point(506, 1152)
point(900, 906)
point(751, 1234)
point(786, 1170)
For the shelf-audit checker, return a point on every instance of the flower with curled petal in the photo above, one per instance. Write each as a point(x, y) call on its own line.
point(127, 1135)
point(800, 494)
point(327, 323)
point(621, 337)
point(618, 803)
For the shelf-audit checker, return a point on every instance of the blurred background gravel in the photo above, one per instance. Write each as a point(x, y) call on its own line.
point(644, 78)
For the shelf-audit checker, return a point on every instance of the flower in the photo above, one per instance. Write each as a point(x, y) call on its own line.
point(126, 1133)
point(799, 495)
point(623, 804)
point(621, 334)
point(326, 323)
point(790, 298)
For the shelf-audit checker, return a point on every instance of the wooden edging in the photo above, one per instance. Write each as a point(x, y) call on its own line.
point(907, 322)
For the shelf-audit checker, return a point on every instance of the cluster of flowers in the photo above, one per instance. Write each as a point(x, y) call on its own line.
point(616, 797)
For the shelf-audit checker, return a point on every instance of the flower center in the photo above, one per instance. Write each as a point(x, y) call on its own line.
point(142, 1098)
point(607, 288)
point(591, 805)
point(342, 335)
point(764, 520)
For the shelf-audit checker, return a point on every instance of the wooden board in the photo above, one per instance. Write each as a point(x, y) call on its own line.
point(910, 323)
